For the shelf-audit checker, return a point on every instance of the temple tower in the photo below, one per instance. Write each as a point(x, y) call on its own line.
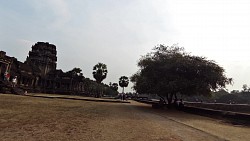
point(43, 55)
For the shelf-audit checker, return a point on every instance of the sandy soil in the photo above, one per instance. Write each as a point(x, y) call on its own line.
point(37, 119)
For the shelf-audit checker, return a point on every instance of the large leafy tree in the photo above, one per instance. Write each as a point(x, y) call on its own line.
point(169, 70)
point(75, 72)
point(90, 87)
point(113, 86)
point(123, 82)
point(100, 73)
point(245, 88)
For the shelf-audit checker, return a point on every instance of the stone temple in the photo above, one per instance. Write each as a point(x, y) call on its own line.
point(43, 55)
point(38, 73)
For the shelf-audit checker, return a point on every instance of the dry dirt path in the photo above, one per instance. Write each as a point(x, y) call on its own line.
point(29, 118)
point(139, 121)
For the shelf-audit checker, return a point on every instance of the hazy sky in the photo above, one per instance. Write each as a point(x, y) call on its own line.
point(118, 32)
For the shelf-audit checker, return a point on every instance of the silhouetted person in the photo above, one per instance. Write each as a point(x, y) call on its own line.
point(6, 76)
point(14, 81)
point(181, 104)
point(124, 96)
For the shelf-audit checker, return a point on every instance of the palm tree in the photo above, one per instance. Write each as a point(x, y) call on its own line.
point(100, 73)
point(123, 82)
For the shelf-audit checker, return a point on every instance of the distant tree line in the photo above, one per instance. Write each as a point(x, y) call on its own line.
point(223, 96)
point(91, 87)
point(97, 88)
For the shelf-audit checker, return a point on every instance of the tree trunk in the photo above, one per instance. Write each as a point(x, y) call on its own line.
point(99, 93)
point(175, 96)
point(161, 103)
point(162, 98)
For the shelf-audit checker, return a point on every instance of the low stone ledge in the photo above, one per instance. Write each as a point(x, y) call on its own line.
point(235, 117)
point(76, 98)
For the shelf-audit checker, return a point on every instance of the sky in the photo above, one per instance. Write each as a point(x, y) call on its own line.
point(118, 32)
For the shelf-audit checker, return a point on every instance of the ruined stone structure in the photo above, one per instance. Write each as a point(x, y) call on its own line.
point(43, 55)
point(38, 73)
point(5, 63)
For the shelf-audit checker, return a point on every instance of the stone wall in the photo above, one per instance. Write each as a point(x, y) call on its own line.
point(241, 108)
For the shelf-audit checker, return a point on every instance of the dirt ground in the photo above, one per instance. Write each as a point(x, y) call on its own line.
point(25, 118)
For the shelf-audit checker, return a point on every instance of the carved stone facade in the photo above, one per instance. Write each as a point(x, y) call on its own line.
point(43, 55)
point(38, 73)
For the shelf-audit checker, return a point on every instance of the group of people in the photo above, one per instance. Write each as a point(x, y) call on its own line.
point(178, 103)
point(123, 96)
point(7, 78)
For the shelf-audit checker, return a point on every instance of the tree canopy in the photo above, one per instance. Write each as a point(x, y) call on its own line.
point(113, 86)
point(100, 72)
point(123, 82)
point(75, 72)
point(245, 88)
point(169, 70)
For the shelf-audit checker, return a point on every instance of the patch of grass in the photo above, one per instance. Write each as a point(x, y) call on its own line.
point(23, 118)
